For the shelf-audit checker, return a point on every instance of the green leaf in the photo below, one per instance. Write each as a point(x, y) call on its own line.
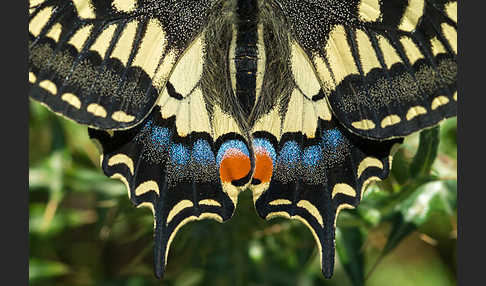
point(349, 245)
point(60, 221)
point(433, 196)
point(190, 277)
point(400, 167)
point(400, 229)
point(38, 178)
point(41, 268)
point(448, 137)
point(89, 180)
point(426, 153)
point(373, 200)
point(416, 209)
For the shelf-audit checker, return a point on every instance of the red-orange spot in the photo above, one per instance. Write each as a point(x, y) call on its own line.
point(234, 167)
point(263, 167)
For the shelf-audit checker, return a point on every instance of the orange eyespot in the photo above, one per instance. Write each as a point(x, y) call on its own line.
point(263, 166)
point(235, 165)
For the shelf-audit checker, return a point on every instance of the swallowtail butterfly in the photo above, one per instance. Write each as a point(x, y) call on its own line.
point(194, 101)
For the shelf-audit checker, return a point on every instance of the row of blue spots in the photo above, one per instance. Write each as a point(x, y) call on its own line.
point(178, 153)
point(291, 154)
point(231, 144)
point(201, 153)
point(263, 145)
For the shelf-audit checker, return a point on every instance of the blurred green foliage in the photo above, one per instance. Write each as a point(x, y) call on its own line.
point(83, 230)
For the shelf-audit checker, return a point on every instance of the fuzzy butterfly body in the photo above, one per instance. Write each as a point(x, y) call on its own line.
point(193, 102)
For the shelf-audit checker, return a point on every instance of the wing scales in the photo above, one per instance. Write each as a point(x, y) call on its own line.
point(375, 69)
point(98, 55)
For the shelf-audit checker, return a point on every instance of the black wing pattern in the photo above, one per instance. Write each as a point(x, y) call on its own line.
point(388, 68)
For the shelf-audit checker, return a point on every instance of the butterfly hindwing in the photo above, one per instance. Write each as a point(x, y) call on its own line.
point(312, 179)
point(104, 64)
point(176, 177)
point(189, 159)
point(307, 165)
point(388, 67)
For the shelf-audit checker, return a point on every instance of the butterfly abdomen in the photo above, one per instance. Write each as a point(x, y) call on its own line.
point(246, 53)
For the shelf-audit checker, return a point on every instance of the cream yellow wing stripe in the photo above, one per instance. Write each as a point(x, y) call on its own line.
point(369, 10)
point(190, 111)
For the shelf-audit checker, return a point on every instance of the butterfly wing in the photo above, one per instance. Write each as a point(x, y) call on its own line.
point(388, 67)
point(307, 165)
point(104, 64)
point(160, 71)
point(189, 159)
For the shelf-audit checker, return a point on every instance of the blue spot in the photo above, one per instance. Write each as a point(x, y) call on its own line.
point(202, 153)
point(312, 155)
point(331, 139)
point(236, 144)
point(267, 146)
point(160, 137)
point(179, 154)
point(290, 153)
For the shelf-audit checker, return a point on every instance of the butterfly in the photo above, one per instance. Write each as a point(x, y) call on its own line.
point(193, 102)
